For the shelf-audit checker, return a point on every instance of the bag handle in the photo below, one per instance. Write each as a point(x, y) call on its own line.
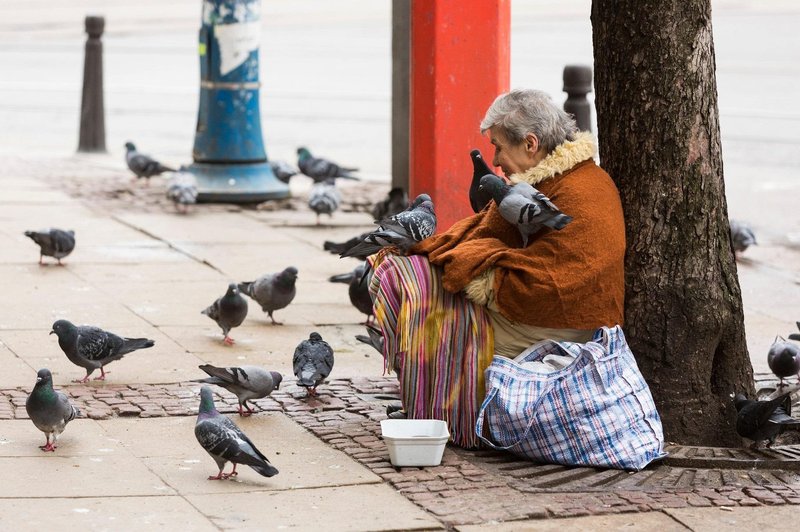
point(529, 413)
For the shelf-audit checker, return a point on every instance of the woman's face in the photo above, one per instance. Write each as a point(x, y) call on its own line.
point(512, 158)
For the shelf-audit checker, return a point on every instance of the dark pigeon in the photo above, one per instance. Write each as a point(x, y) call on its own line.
point(358, 288)
point(272, 291)
point(49, 410)
point(93, 348)
point(396, 201)
point(478, 198)
point(320, 169)
point(763, 420)
point(312, 362)
point(228, 311)
point(324, 198)
point(795, 336)
point(524, 207)
point(283, 170)
point(340, 247)
point(402, 230)
point(783, 359)
point(182, 190)
point(226, 442)
point(374, 338)
point(143, 165)
point(54, 243)
point(246, 382)
point(742, 237)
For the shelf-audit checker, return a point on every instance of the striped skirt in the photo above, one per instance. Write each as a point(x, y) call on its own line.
point(440, 342)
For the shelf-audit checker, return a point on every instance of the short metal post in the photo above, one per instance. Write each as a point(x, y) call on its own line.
point(577, 84)
point(92, 136)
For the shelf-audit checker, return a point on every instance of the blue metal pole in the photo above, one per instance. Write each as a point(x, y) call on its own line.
point(230, 162)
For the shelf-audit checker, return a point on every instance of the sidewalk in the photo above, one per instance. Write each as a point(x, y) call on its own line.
point(140, 269)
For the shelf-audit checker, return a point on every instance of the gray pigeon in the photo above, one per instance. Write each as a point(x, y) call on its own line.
point(324, 198)
point(49, 410)
point(226, 442)
point(246, 382)
point(396, 201)
point(402, 230)
point(742, 237)
point(340, 247)
point(763, 420)
point(783, 359)
point(182, 190)
point(53, 243)
point(478, 199)
point(524, 207)
point(358, 288)
point(283, 170)
point(143, 165)
point(312, 362)
point(228, 311)
point(93, 348)
point(272, 291)
point(320, 169)
point(374, 338)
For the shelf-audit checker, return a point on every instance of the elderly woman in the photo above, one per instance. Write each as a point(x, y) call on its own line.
point(475, 291)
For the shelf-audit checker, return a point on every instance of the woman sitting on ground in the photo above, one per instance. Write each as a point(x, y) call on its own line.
point(474, 291)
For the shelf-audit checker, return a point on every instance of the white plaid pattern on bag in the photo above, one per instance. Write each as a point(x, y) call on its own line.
point(598, 411)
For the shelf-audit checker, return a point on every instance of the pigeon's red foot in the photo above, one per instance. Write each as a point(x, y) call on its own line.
point(83, 380)
point(49, 448)
point(102, 376)
point(228, 340)
point(220, 476)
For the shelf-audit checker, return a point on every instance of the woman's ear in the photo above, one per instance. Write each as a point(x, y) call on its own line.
point(531, 143)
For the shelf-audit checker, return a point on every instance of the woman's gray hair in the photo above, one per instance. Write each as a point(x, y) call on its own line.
point(524, 111)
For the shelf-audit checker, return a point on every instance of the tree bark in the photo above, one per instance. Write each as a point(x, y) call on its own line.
point(658, 126)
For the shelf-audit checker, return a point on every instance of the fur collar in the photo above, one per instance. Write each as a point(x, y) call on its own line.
point(561, 159)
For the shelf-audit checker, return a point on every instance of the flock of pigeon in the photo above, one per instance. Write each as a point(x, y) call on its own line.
point(399, 225)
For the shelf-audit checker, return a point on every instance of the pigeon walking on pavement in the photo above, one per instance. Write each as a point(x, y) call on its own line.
point(312, 362)
point(182, 190)
point(396, 201)
point(763, 420)
point(783, 359)
point(742, 237)
point(320, 169)
point(226, 442)
point(358, 288)
point(143, 165)
point(54, 243)
point(324, 198)
point(402, 230)
point(246, 382)
point(228, 311)
point(93, 348)
point(283, 170)
point(524, 207)
point(479, 198)
point(338, 248)
point(272, 291)
point(49, 410)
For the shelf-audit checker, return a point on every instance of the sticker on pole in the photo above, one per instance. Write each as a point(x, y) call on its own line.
point(236, 41)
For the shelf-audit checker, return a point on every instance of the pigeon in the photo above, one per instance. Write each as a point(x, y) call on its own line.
point(143, 165)
point(402, 230)
point(272, 291)
point(524, 206)
point(182, 190)
point(228, 311)
point(283, 170)
point(795, 336)
point(478, 199)
point(324, 198)
point(742, 237)
point(358, 281)
point(246, 382)
point(374, 338)
point(312, 362)
point(93, 348)
point(338, 248)
point(783, 359)
point(49, 410)
point(53, 243)
point(396, 201)
point(320, 169)
point(226, 442)
point(763, 420)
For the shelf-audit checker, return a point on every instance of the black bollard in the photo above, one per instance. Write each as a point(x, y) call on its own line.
point(577, 84)
point(93, 128)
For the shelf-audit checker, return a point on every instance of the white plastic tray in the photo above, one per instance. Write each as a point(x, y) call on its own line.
point(415, 442)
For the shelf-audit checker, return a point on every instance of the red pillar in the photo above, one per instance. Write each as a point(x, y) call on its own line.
point(460, 62)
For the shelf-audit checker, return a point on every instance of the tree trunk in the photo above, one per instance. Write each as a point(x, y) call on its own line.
point(658, 126)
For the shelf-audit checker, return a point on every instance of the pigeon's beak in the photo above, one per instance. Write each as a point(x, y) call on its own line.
point(52, 332)
point(38, 379)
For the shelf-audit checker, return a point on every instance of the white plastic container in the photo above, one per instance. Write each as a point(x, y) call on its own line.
point(415, 442)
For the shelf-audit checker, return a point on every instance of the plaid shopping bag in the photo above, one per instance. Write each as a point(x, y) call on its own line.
point(598, 411)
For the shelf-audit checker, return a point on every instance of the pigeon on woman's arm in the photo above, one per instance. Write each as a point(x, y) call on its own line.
point(54, 243)
point(246, 382)
point(228, 311)
point(272, 291)
point(478, 198)
point(49, 410)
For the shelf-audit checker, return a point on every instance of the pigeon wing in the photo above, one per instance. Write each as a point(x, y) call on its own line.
point(96, 344)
